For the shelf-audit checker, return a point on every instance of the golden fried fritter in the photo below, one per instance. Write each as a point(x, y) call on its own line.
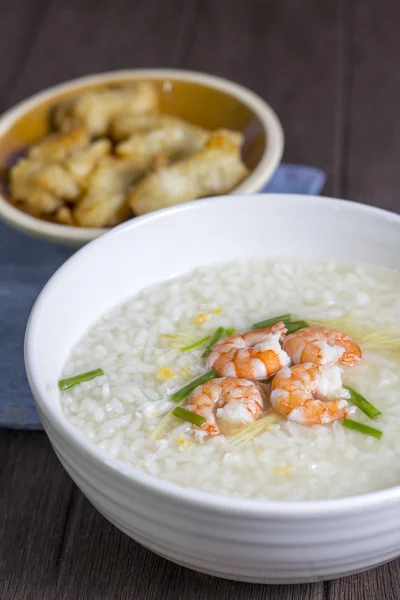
point(96, 110)
point(216, 169)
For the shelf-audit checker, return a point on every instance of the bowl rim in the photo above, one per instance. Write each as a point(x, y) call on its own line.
point(187, 495)
point(268, 163)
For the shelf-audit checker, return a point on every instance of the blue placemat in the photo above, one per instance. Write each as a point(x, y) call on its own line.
point(25, 266)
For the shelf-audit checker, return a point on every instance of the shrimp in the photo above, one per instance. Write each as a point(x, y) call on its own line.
point(321, 346)
point(309, 394)
point(227, 404)
point(254, 355)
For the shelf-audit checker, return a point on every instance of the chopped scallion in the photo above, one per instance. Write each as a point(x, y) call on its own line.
point(361, 428)
point(195, 344)
point(229, 331)
point(187, 389)
point(213, 340)
point(362, 403)
point(285, 318)
point(295, 326)
point(165, 424)
point(187, 415)
point(69, 382)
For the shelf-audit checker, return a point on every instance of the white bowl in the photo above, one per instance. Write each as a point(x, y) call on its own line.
point(247, 540)
point(221, 112)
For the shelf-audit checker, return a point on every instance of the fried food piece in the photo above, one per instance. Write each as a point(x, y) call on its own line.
point(107, 193)
point(42, 185)
point(123, 126)
point(56, 170)
point(96, 110)
point(64, 216)
point(56, 179)
point(81, 163)
point(216, 169)
point(171, 137)
point(57, 146)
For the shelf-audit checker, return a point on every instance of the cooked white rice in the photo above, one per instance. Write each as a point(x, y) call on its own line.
point(121, 410)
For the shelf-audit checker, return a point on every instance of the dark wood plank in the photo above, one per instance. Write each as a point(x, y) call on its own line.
point(35, 501)
point(98, 558)
point(78, 37)
point(19, 25)
point(371, 161)
point(378, 584)
point(288, 52)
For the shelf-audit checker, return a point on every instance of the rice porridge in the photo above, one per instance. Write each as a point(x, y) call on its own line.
point(266, 445)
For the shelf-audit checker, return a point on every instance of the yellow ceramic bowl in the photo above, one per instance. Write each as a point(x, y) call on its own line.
point(204, 100)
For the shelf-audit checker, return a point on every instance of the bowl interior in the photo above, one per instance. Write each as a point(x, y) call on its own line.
point(192, 101)
point(200, 233)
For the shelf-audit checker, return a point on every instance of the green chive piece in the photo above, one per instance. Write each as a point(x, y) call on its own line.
point(195, 344)
point(295, 326)
point(69, 382)
point(285, 318)
point(187, 415)
point(230, 331)
point(362, 403)
point(365, 429)
point(213, 340)
point(187, 389)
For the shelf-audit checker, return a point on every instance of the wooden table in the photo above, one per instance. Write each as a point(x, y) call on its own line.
point(330, 68)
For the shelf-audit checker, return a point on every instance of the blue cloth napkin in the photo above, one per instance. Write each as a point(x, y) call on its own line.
point(25, 266)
